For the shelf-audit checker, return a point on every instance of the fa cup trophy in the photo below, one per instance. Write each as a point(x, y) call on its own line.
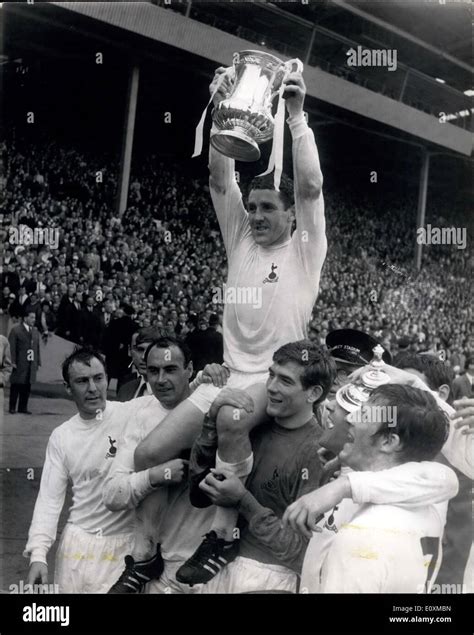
point(244, 118)
point(352, 395)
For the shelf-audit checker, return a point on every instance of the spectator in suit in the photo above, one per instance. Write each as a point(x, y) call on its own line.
point(47, 321)
point(138, 385)
point(27, 281)
point(11, 279)
point(32, 304)
point(26, 359)
point(22, 279)
point(106, 317)
point(117, 339)
point(16, 308)
point(22, 297)
point(214, 353)
point(91, 324)
point(5, 299)
point(66, 312)
point(5, 367)
point(197, 342)
point(40, 286)
point(463, 385)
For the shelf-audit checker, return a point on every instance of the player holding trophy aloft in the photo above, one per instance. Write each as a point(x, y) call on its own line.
point(263, 251)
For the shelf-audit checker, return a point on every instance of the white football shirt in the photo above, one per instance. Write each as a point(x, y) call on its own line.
point(180, 526)
point(82, 452)
point(270, 291)
point(392, 512)
point(385, 549)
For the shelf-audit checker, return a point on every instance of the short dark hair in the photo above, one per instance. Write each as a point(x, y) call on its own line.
point(82, 354)
point(147, 334)
point(420, 424)
point(468, 361)
point(213, 319)
point(166, 342)
point(287, 193)
point(435, 370)
point(319, 367)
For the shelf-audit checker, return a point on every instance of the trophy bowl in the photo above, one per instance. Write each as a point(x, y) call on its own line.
point(244, 118)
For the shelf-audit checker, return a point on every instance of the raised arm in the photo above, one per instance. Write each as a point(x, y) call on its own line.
point(225, 192)
point(221, 168)
point(458, 448)
point(308, 180)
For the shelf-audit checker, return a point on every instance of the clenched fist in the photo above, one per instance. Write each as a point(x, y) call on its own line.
point(224, 88)
point(169, 473)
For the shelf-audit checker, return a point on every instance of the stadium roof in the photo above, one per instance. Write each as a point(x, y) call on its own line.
point(51, 45)
point(445, 28)
point(431, 37)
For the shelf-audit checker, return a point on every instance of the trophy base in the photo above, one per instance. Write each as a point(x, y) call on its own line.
point(236, 145)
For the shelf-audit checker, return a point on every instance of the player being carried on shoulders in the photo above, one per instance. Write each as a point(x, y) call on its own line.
point(285, 267)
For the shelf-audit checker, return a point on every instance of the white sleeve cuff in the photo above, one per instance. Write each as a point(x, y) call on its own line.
point(298, 125)
point(197, 381)
point(37, 555)
point(141, 485)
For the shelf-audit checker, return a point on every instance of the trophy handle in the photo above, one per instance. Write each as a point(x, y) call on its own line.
point(230, 74)
point(288, 67)
point(297, 62)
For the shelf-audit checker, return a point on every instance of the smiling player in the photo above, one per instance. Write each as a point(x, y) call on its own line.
point(262, 253)
point(82, 451)
point(286, 465)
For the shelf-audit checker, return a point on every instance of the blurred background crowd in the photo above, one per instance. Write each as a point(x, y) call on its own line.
point(160, 263)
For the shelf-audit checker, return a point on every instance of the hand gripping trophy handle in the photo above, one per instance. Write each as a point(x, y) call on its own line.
point(288, 69)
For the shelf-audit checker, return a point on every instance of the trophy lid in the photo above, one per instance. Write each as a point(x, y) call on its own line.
point(376, 376)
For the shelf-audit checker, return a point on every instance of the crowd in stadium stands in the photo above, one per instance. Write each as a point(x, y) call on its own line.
point(160, 263)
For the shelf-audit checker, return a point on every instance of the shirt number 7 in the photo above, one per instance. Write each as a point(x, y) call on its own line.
point(430, 547)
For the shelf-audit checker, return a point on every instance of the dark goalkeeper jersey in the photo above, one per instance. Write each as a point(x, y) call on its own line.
point(286, 466)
